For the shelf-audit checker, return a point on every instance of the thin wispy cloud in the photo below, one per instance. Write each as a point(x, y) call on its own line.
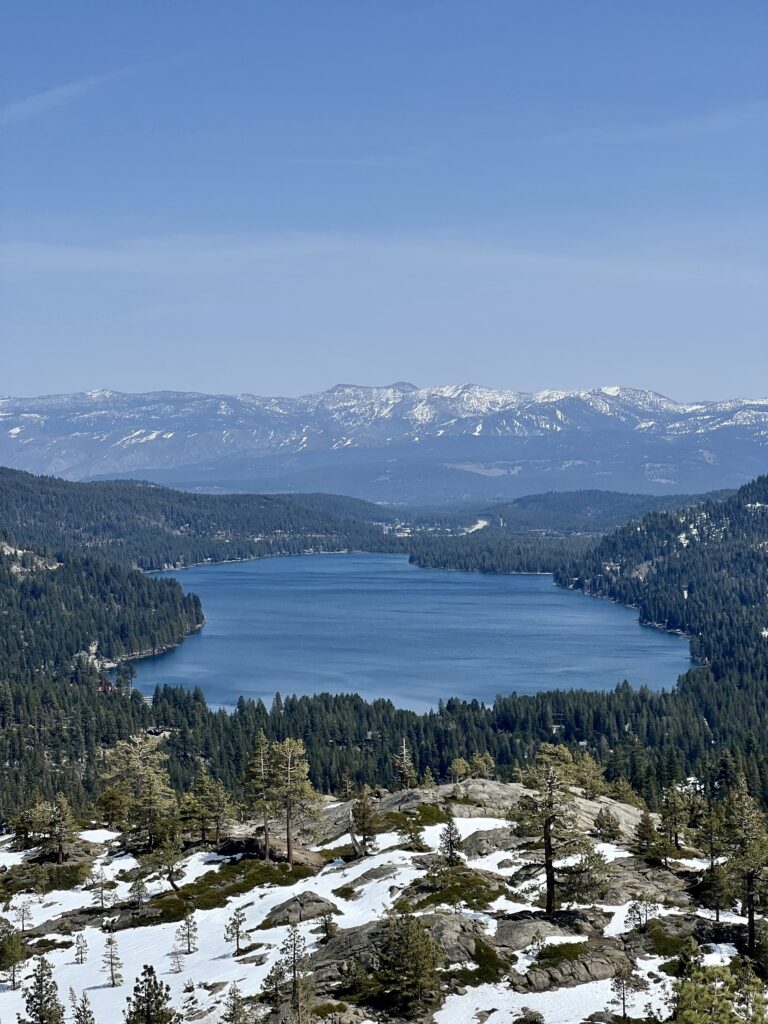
point(191, 256)
point(338, 161)
point(50, 99)
point(709, 123)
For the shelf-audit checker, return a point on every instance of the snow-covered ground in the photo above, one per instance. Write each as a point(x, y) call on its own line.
point(480, 524)
point(562, 1006)
point(213, 963)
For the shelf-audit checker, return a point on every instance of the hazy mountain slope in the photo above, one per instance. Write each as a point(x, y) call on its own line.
point(152, 526)
point(398, 443)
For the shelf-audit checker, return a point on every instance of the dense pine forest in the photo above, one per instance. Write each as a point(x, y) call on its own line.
point(154, 527)
point(589, 511)
point(67, 580)
point(54, 611)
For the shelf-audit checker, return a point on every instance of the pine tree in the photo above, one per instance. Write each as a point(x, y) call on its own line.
point(273, 991)
point(404, 767)
point(82, 1011)
point(607, 826)
point(641, 911)
point(710, 831)
point(41, 997)
point(13, 953)
point(23, 915)
point(716, 888)
point(365, 821)
point(192, 809)
point(549, 815)
point(166, 857)
point(62, 828)
point(206, 806)
point(585, 880)
point(450, 844)
point(186, 934)
point(411, 834)
point(750, 998)
point(459, 769)
point(101, 887)
point(234, 929)
point(674, 815)
point(707, 996)
point(482, 766)
point(428, 779)
point(748, 838)
point(624, 984)
point(290, 979)
point(292, 787)
point(220, 810)
point(150, 1002)
point(408, 971)
point(646, 835)
point(111, 962)
point(139, 769)
point(689, 957)
point(177, 965)
point(259, 784)
point(588, 774)
point(138, 893)
point(235, 1009)
point(81, 949)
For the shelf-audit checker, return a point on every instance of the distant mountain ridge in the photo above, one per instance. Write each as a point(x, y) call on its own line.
point(398, 443)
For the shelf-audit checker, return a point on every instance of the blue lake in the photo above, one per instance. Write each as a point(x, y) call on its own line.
point(377, 626)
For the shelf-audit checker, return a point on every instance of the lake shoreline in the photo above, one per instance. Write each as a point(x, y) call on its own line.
point(423, 568)
point(368, 624)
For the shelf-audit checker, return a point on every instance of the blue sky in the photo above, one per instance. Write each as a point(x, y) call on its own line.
point(277, 196)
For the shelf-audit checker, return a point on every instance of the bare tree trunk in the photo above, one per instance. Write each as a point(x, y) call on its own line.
point(549, 868)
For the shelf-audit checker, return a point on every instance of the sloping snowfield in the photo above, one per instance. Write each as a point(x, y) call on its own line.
point(214, 964)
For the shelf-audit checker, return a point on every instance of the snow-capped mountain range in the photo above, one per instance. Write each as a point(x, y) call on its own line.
point(397, 443)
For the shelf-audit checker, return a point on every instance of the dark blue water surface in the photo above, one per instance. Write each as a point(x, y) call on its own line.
point(377, 626)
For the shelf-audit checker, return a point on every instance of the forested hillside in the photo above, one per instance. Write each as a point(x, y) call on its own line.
point(703, 571)
point(714, 552)
point(566, 512)
point(154, 527)
point(495, 550)
point(53, 611)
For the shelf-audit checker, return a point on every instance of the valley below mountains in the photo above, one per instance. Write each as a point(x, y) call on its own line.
point(398, 444)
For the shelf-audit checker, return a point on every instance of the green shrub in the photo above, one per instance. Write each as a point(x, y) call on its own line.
point(432, 814)
point(46, 945)
point(215, 888)
point(326, 1009)
point(461, 885)
point(662, 943)
point(345, 892)
point(557, 953)
point(490, 967)
point(345, 852)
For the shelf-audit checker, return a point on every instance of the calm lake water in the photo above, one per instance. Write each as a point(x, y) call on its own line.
point(377, 626)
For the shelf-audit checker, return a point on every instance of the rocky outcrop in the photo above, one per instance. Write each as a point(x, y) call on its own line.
point(632, 878)
point(598, 962)
point(305, 907)
point(517, 931)
point(476, 798)
point(455, 934)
